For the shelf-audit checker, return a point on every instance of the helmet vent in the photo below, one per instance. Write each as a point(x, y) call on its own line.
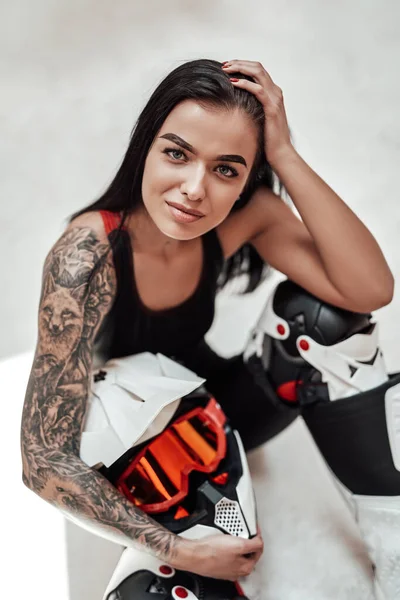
point(228, 517)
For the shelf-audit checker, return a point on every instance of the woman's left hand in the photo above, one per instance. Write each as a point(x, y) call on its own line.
point(277, 134)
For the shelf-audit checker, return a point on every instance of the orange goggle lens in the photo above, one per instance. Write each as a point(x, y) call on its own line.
point(157, 478)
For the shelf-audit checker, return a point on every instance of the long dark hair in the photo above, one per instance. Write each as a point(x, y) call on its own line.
point(205, 82)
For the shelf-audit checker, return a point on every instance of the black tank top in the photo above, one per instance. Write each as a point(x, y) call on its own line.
point(131, 327)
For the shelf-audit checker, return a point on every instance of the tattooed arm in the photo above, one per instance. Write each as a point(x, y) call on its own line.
point(75, 299)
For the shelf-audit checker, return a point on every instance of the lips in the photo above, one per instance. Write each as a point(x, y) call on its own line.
point(189, 211)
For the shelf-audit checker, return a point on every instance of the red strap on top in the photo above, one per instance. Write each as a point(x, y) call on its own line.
point(111, 220)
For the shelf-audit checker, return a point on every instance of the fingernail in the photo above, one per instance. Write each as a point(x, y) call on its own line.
point(233, 79)
point(225, 62)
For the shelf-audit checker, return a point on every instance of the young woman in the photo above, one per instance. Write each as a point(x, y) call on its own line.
point(193, 203)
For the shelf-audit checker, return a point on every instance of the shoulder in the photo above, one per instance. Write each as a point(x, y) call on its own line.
point(84, 236)
point(244, 225)
point(91, 221)
point(82, 249)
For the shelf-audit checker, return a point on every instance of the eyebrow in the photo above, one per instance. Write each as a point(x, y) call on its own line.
point(237, 158)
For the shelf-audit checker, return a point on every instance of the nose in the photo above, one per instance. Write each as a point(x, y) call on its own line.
point(194, 185)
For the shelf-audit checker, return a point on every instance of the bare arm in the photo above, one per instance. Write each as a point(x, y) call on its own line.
point(331, 253)
point(71, 311)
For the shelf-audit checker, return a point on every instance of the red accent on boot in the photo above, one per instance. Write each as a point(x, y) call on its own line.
point(288, 391)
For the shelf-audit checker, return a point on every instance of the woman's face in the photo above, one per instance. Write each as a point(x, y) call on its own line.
point(199, 161)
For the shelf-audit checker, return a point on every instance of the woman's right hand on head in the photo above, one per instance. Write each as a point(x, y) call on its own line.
point(224, 556)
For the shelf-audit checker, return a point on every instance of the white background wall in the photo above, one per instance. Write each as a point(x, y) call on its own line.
point(75, 74)
point(74, 77)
